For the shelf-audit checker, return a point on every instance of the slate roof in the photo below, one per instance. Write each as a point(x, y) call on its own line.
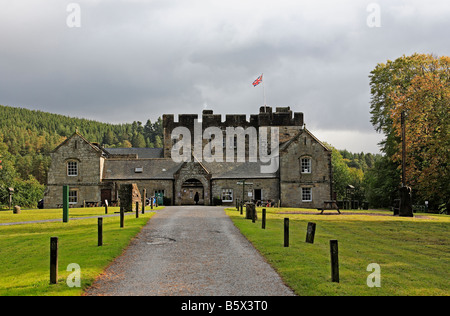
point(142, 153)
point(237, 170)
point(125, 169)
point(164, 169)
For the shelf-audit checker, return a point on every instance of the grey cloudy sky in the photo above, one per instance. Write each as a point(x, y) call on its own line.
point(134, 60)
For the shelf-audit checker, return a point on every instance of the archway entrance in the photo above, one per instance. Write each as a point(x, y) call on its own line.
point(189, 189)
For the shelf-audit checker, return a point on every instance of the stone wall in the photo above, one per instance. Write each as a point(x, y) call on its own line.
point(129, 195)
point(292, 180)
point(282, 117)
point(192, 170)
point(151, 186)
point(88, 179)
point(269, 187)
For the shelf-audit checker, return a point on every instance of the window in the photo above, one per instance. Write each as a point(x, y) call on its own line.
point(227, 195)
point(306, 165)
point(72, 168)
point(306, 194)
point(73, 196)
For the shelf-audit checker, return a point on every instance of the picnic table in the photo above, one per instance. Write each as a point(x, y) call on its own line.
point(92, 203)
point(329, 205)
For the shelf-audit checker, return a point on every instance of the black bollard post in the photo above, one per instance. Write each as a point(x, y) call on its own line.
point(286, 232)
point(53, 260)
point(334, 261)
point(311, 231)
point(100, 231)
point(122, 215)
point(144, 200)
point(263, 218)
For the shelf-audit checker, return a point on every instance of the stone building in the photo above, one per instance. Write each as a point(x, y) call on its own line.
point(301, 177)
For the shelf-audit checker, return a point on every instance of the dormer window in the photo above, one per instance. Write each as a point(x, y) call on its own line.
point(72, 168)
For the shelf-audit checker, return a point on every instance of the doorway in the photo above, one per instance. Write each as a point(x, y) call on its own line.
point(106, 194)
point(258, 195)
point(189, 190)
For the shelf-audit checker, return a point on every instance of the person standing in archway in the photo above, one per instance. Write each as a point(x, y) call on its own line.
point(196, 198)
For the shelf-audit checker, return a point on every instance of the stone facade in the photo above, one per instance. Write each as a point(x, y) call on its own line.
point(93, 173)
point(317, 177)
point(86, 161)
point(129, 196)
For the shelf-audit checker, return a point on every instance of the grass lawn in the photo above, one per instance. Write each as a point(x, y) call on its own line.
point(25, 249)
point(413, 253)
point(36, 214)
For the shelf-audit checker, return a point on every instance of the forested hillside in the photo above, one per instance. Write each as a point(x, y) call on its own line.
point(27, 137)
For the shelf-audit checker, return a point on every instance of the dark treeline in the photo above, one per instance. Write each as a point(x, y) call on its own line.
point(359, 170)
point(27, 138)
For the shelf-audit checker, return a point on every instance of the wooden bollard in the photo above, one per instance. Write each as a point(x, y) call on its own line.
point(106, 206)
point(137, 209)
point(53, 260)
point(144, 200)
point(310, 232)
point(65, 204)
point(122, 217)
point(100, 231)
point(286, 232)
point(263, 218)
point(334, 261)
point(242, 207)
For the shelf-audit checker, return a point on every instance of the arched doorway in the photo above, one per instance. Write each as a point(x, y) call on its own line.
point(189, 189)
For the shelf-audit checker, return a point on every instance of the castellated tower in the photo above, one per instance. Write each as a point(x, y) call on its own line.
point(289, 124)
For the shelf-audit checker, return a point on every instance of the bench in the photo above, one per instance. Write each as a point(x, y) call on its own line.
point(91, 204)
point(329, 205)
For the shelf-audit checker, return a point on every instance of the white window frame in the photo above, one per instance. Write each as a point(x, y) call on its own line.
point(73, 196)
point(305, 193)
point(306, 165)
point(72, 168)
point(227, 193)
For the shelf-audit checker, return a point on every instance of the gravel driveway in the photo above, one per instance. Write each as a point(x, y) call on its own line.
point(190, 251)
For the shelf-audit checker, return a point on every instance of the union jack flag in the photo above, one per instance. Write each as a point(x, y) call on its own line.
point(258, 81)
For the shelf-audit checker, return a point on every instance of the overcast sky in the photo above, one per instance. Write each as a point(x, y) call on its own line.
point(136, 60)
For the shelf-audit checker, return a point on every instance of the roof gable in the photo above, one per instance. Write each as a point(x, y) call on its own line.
point(286, 145)
point(78, 135)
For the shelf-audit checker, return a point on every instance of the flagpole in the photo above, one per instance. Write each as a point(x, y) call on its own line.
point(264, 90)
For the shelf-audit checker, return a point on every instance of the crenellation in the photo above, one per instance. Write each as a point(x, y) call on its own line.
point(211, 119)
point(283, 116)
point(298, 119)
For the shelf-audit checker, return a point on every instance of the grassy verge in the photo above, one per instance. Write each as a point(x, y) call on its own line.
point(25, 249)
point(413, 253)
point(36, 214)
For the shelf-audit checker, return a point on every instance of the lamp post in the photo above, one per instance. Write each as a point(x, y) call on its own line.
point(243, 183)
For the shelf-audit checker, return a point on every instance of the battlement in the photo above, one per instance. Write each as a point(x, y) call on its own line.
point(282, 116)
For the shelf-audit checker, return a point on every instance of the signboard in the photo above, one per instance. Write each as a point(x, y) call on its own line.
point(160, 198)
